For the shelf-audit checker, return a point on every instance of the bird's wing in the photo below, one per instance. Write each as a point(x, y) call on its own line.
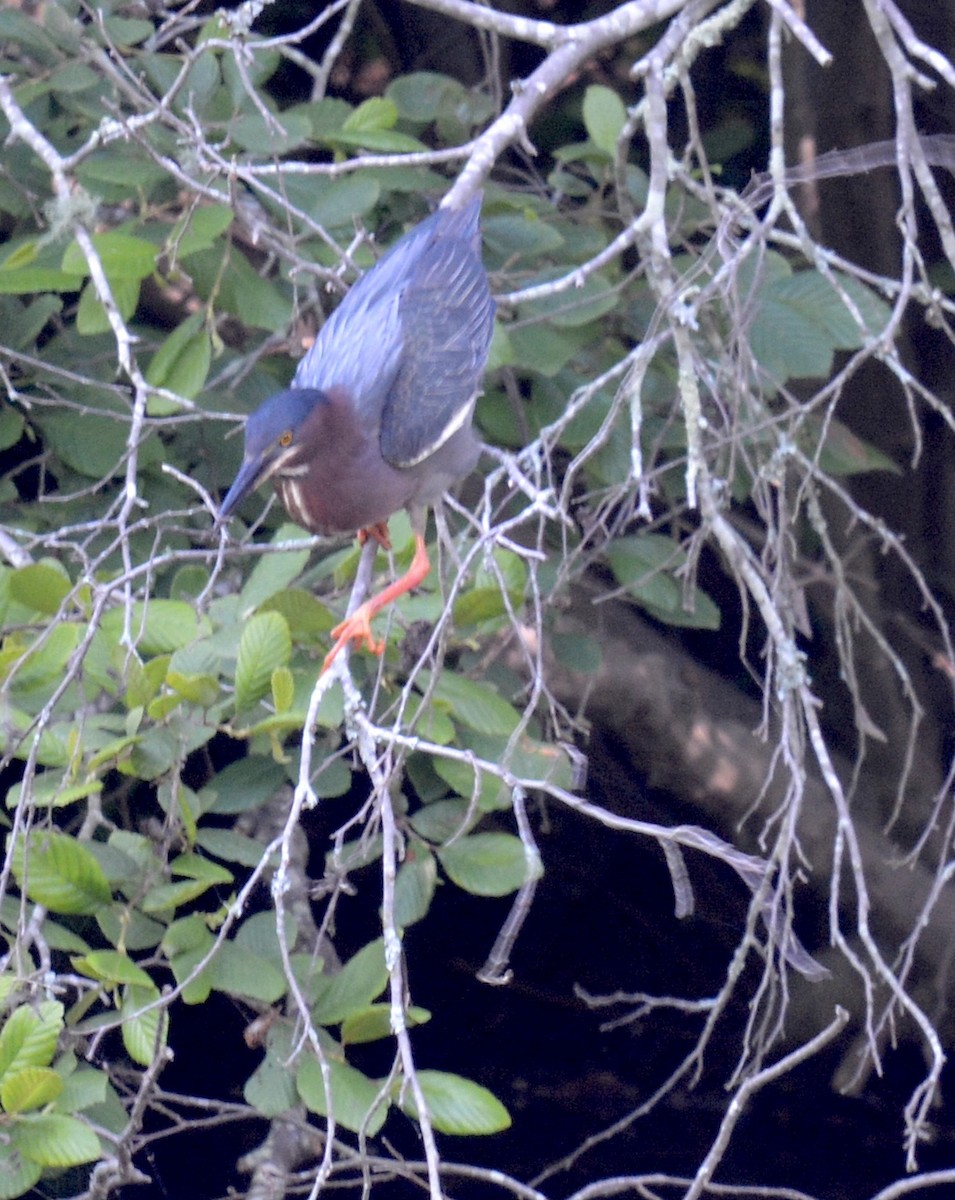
point(446, 315)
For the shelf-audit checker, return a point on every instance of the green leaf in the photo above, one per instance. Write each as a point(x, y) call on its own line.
point(91, 315)
point(283, 689)
point(49, 791)
point(265, 645)
point(604, 117)
point(60, 873)
point(111, 966)
point(337, 203)
point(377, 112)
point(169, 896)
point(194, 866)
point(200, 228)
point(273, 573)
point(36, 279)
point(41, 587)
point(458, 1105)
point(362, 979)
point(488, 864)
point(842, 452)
point(353, 1095)
point(158, 626)
point(645, 564)
point(442, 820)
point(424, 96)
point(32, 1087)
point(384, 141)
point(414, 886)
point(28, 1038)
point(271, 1088)
point(144, 1033)
point(231, 846)
point(283, 132)
point(373, 1023)
point(18, 1174)
point(474, 704)
point(181, 364)
point(44, 664)
point(55, 1140)
point(82, 1089)
point(11, 422)
point(201, 690)
point(241, 973)
point(122, 256)
point(242, 785)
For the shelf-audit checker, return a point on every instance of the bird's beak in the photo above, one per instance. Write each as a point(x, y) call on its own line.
point(251, 474)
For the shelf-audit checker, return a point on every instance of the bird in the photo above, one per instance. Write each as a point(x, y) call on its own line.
point(378, 416)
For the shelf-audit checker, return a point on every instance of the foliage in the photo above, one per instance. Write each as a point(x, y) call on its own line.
point(165, 209)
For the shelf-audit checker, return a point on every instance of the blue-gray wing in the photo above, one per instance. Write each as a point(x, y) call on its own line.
point(446, 317)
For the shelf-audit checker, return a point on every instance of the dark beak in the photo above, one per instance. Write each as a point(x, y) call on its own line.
point(250, 473)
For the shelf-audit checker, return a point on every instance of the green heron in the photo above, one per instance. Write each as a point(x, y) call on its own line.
point(378, 415)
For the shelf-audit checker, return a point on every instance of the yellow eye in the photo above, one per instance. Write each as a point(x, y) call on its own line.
point(285, 439)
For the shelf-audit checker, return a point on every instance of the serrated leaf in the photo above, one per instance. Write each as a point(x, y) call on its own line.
point(60, 873)
point(353, 1096)
point(488, 864)
point(55, 1140)
point(32, 1087)
point(457, 1105)
point(144, 1033)
point(361, 980)
point(266, 644)
point(28, 1037)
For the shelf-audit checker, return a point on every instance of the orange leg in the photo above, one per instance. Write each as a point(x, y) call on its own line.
point(357, 627)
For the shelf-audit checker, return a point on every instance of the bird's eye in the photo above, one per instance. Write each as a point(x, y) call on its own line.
point(285, 439)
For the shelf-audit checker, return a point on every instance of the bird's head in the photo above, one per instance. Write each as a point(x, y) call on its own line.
point(275, 442)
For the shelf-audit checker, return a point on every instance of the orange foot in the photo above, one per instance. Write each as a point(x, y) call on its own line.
point(357, 627)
